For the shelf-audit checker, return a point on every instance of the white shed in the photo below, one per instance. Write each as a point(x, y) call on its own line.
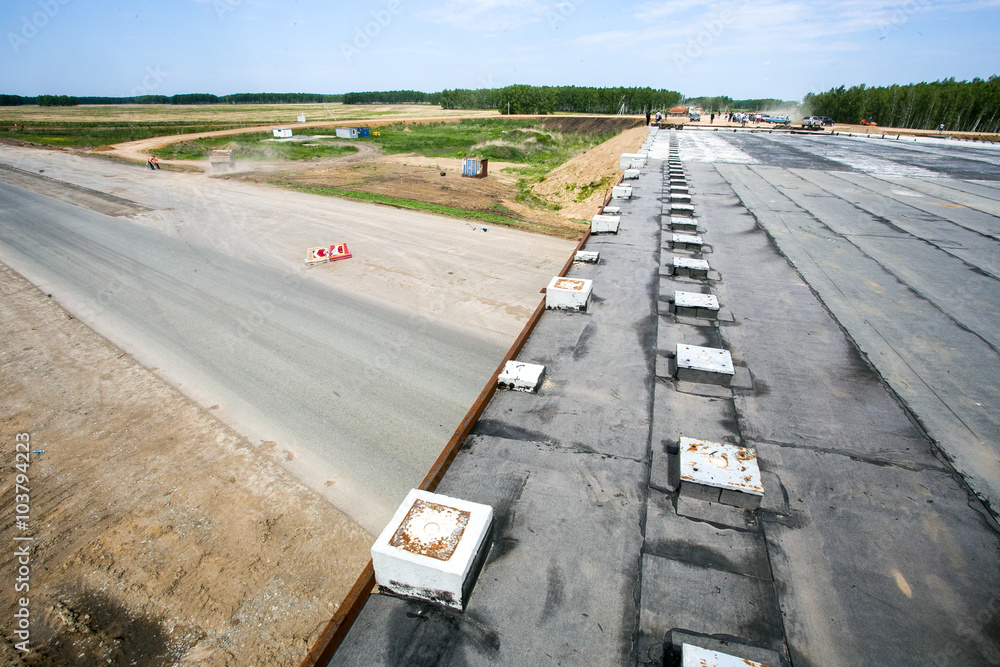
point(282, 133)
point(347, 132)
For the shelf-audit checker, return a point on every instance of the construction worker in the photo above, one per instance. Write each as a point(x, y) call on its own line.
point(156, 162)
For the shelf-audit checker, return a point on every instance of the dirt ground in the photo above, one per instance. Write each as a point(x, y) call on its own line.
point(418, 178)
point(160, 536)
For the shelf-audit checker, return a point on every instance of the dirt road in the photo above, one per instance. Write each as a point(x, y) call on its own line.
point(161, 533)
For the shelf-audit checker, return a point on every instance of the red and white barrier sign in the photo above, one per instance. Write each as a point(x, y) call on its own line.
point(331, 253)
point(339, 251)
point(321, 254)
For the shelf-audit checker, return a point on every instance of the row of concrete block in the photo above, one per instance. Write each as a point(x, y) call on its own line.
point(712, 471)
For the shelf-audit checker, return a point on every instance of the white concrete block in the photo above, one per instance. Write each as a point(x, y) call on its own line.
point(695, 656)
point(686, 266)
point(681, 209)
point(710, 365)
point(626, 159)
point(621, 192)
point(433, 548)
point(611, 210)
point(712, 359)
point(631, 174)
point(686, 241)
point(696, 300)
point(519, 376)
point(586, 257)
point(568, 294)
point(679, 224)
point(605, 224)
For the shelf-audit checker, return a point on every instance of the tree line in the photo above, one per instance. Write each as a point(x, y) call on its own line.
point(521, 99)
point(56, 101)
point(972, 106)
point(392, 97)
point(723, 104)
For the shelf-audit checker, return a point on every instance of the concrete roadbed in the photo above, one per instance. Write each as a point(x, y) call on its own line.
point(869, 546)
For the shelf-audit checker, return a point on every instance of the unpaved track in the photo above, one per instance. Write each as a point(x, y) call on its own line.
point(139, 150)
point(357, 371)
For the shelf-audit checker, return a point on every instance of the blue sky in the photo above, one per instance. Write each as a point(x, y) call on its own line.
point(740, 48)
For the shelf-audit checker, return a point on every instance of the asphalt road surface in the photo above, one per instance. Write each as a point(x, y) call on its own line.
point(851, 277)
point(356, 394)
point(900, 239)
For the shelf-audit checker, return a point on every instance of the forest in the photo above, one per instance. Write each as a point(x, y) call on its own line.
point(967, 106)
point(724, 104)
point(548, 99)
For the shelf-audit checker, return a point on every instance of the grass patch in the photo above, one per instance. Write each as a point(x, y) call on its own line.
point(511, 219)
point(582, 192)
point(497, 214)
point(255, 147)
point(519, 141)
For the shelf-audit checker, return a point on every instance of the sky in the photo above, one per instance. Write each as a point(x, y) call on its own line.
point(740, 48)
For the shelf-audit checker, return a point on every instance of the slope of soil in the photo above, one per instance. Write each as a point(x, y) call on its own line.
point(160, 536)
point(598, 166)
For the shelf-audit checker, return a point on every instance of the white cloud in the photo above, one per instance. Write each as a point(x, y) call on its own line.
point(749, 28)
point(487, 15)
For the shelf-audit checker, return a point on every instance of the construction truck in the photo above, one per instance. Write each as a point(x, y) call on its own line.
point(222, 160)
point(676, 118)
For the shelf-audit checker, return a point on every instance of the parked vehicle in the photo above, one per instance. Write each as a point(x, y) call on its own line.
point(812, 123)
point(869, 121)
point(826, 120)
point(776, 120)
point(695, 117)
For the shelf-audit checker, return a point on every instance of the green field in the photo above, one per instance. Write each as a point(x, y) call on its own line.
point(519, 141)
point(256, 146)
point(89, 126)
